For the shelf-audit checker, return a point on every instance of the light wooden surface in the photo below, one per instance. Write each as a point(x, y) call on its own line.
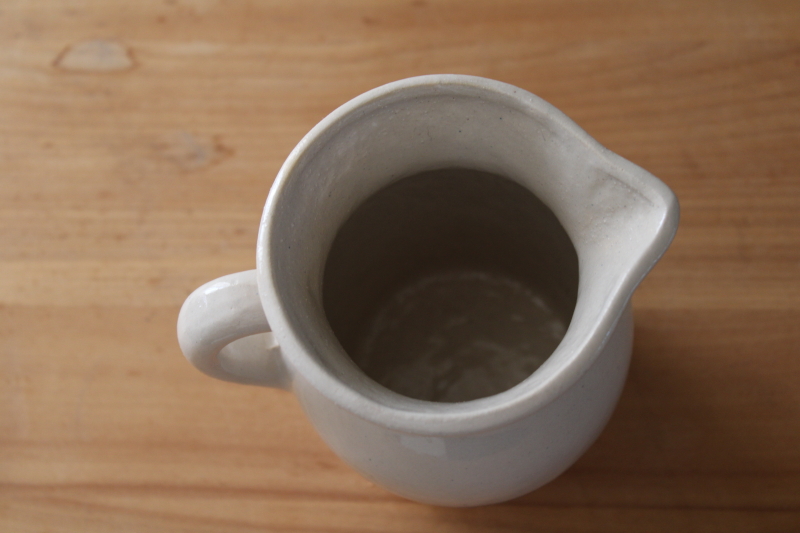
point(138, 141)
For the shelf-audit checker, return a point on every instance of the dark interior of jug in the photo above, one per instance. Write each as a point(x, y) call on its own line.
point(450, 285)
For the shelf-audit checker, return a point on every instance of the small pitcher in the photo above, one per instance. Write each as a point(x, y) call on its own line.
point(444, 273)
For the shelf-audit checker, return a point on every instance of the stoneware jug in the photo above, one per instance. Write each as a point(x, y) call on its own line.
point(444, 272)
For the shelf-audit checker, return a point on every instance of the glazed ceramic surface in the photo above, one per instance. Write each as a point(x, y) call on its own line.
point(293, 323)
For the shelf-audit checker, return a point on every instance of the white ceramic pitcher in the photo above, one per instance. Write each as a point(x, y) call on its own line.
point(500, 185)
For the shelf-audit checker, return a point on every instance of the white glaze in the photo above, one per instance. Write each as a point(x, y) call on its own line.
point(619, 217)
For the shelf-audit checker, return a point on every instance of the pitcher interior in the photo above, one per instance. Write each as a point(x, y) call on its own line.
point(460, 210)
point(450, 285)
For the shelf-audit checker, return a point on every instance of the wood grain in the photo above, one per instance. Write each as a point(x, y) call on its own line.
point(138, 142)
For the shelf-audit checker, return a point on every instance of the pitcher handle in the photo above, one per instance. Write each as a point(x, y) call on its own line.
point(223, 332)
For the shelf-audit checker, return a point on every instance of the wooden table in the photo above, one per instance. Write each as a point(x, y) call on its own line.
point(138, 141)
